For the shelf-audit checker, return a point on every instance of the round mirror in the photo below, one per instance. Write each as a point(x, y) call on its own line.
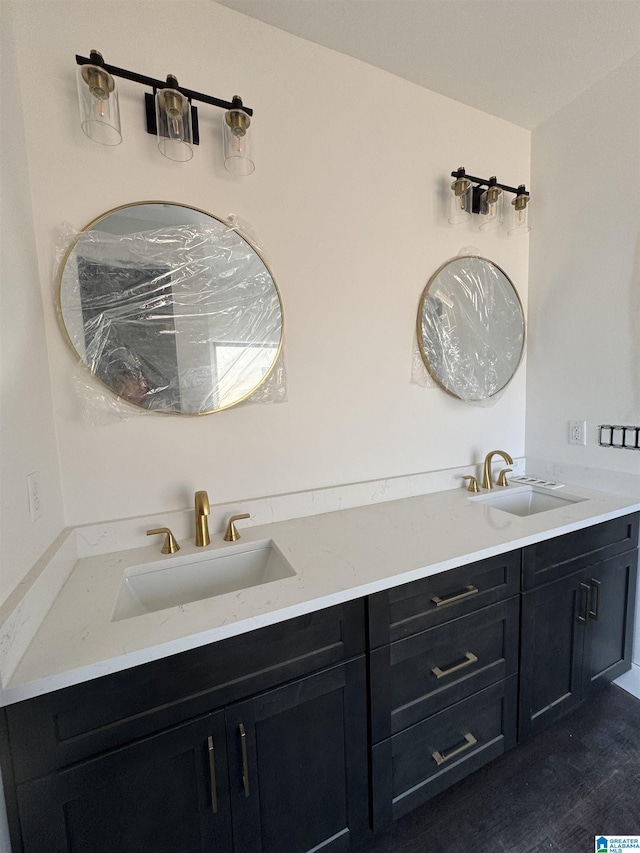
point(471, 328)
point(170, 308)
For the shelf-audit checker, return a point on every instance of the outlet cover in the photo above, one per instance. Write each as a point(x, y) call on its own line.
point(577, 432)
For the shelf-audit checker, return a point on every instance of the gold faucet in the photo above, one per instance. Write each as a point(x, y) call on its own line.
point(202, 525)
point(486, 471)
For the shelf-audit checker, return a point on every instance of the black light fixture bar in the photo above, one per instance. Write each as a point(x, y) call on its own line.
point(486, 182)
point(96, 59)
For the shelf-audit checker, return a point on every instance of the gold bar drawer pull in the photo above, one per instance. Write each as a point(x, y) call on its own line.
point(245, 760)
point(457, 596)
point(441, 757)
point(595, 587)
point(212, 776)
point(469, 658)
point(585, 590)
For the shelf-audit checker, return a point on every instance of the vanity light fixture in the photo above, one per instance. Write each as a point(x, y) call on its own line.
point(235, 123)
point(485, 197)
point(169, 111)
point(491, 205)
point(520, 216)
point(99, 110)
point(173, 122)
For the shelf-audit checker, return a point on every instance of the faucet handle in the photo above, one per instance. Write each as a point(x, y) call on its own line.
point(473, 483)
point(502, 477)
point(170, 545)
point(232, 534)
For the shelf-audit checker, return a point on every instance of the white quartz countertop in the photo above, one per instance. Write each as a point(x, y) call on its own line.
point(337, 556)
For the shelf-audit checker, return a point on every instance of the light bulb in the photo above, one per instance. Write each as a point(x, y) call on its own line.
point(520, 218)
point(173, 117)
point(461, 201)
point(98, 98)
point(235, 124)
point(491, 206)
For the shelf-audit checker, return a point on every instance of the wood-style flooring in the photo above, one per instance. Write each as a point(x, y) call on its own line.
point(579, 779)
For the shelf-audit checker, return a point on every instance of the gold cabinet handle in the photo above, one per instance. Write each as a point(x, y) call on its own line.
point(469, 658)
point(212, 776)
point(441, 757)
point(245, 760)
point(585, 590)
point(457, 596)
point(170, 546)
point(595, 587)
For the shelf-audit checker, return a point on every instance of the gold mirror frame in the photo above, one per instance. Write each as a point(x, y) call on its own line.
point(477, 282)
point(235, 246)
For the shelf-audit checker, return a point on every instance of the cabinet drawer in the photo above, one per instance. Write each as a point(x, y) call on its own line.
point(415, 765)
point(406, 610)
point(555, 558)
point(61, 728)
point(414, 678)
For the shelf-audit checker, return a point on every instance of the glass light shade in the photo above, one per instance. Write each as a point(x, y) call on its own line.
point(99, 110)
point(237, 142)
point(173, 119)
point(519, 216)
point(491, 203)
point(461, 201)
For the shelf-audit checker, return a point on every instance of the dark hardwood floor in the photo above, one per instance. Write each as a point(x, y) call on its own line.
point(579, 779)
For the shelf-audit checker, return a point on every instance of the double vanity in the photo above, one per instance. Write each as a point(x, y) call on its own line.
point(304, 686)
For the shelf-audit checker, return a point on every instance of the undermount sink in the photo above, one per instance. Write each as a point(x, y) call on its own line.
point(526, 500)
point(156, 586)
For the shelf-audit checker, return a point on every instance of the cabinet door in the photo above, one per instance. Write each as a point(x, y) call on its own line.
point(609, 631)
point(156, 795)
point(553, 628)
point(298, 764)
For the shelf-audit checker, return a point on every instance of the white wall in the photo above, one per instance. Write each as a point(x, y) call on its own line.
point(584, 304)
point(347, 199)
point(584, 308)
point(27, 430)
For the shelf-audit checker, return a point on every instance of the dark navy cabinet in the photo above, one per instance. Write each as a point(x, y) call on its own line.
point(311, 734)
point(129, 763)
point(577, 618)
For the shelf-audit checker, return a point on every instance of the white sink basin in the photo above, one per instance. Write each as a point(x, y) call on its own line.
point(156, 586)
point(526, 500)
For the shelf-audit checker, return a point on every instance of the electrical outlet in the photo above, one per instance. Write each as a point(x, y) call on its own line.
point(577, 432)
point(35, 498)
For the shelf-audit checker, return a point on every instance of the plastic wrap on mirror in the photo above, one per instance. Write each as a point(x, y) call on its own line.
point(181, 319)
point(419, 373)
point(274, 388)
point(471, 329)
point(245, 229)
